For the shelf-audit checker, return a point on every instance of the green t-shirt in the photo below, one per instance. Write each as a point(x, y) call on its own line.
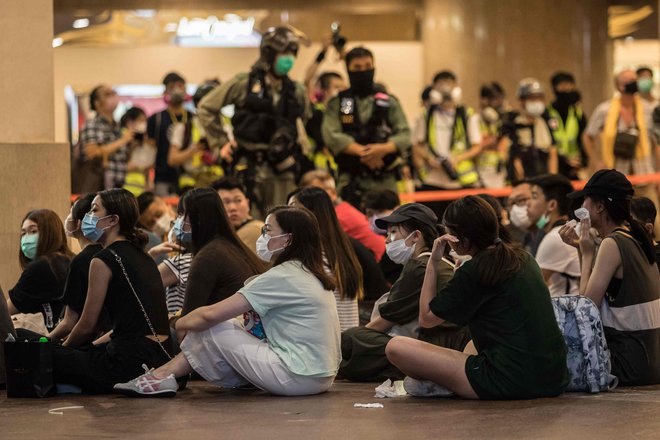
point(299, 318)
point(522, 353)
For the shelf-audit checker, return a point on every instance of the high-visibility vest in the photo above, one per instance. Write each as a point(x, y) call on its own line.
point(490, 158)
point(135, 182)
point(466, 170)
point(567, 135)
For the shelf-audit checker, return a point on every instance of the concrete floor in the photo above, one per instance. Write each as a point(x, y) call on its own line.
point(203, 412)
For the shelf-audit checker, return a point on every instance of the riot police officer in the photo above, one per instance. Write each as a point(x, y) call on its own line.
point(366, 130)
point(269, 110)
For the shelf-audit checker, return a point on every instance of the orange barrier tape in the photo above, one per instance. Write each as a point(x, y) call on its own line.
point(454, 194)
point(448, 195)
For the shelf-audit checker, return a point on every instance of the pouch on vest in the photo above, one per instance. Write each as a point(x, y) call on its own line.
point(625, 144)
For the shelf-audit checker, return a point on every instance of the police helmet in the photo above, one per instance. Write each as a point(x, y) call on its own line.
point(528, 87)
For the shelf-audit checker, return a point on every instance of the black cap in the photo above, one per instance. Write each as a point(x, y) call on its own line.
point(409, 211)
point(608, 183)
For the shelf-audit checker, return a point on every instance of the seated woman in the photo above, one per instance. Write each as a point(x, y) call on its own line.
point(300, 355)
point(75, 288)
point(45, 259)
point(221, 261)
point(175, 267)
point(500, 294)
point(124, 282)
point(620, 277)
point(338, 253)
point(411, 231)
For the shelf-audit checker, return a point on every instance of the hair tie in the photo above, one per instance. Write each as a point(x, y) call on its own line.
point(497, 241)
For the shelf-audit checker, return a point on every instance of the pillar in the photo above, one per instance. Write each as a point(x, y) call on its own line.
point(34, 169)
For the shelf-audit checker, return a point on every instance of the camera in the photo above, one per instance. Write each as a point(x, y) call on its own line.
point(338, 40)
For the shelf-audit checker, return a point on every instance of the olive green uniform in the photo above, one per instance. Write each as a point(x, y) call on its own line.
point(270, 188)
point(337, 141)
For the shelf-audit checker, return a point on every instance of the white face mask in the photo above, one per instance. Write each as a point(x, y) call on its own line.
point(162, 225)
point(67, 222)
point(262, 247)
point(535, 108)
point(456, 95)
point(141, 127)
point(520, 217)
point(398, 251)
point(490, 115)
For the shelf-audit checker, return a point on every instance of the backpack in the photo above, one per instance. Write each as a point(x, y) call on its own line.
point(588, 358)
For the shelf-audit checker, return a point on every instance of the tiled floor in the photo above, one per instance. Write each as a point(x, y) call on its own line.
point(203, 412)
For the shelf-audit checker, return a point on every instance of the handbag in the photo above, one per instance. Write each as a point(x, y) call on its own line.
point(29, 369)
point(625, 144)
point(144, 312)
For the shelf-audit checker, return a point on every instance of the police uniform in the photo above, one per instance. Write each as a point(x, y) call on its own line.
point(350, 118)
point(267, 185)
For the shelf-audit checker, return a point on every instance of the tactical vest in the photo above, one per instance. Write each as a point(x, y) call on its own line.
point(257, 120)
point(375, 131)
point(460, 143)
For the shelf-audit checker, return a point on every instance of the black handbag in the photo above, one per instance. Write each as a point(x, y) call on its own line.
point(625, 144)
point(29, 369)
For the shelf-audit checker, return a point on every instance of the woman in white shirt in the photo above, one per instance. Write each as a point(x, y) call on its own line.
point(299, 353)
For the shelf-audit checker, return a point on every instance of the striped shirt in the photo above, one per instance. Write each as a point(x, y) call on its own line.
point(631, 316)
point(175, 295)
point(347, 308)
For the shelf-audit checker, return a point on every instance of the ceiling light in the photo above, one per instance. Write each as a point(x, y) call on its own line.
point(81, 23)
point(57, 42)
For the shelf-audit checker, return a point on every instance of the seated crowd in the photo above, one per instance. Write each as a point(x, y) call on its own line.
point(455, 302)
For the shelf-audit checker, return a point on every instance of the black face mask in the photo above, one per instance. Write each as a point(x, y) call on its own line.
point(362, 82)
point(567, 99)
point(630, 88)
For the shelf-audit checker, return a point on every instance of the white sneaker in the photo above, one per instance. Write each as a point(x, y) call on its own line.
point(147, 385)
point(425, 388)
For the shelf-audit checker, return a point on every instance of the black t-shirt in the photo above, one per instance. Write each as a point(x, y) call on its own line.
point(75, 288)
point(120, 303)
point(159, 128)
point(40, 288)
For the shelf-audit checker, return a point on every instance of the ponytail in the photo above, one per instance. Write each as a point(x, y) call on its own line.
point(138, 237)
point(641, 235)
point(498, 263)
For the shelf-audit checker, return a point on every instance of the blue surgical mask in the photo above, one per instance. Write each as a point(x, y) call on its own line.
point(181, 235)
point(29, 243)
point(89, 228)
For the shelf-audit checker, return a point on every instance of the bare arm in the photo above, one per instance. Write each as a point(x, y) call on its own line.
point(93, 150)
point(99, 279)
point(427, 318)
point(167, 276)
point(206, 317)
point(594, 282)
point(553, 161)
point(381, 324)
point(65, 326)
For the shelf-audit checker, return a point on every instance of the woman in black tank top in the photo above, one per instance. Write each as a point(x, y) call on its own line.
point(125, 282)
point(620, 277)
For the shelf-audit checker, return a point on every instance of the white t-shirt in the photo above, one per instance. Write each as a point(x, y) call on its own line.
point(299, 318)
point(557, 256)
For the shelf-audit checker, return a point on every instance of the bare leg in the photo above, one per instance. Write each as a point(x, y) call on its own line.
point(178, 366)
point(421, 360)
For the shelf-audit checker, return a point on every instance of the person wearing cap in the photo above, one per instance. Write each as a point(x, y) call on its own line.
point(500, 295)
point(452, 139)
point(411, 231)
point(531, 145)
point(366, 129)
point(171, 132)
point(548, 210)
point(620, 276)
point(268, 121)
point(568, 123)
